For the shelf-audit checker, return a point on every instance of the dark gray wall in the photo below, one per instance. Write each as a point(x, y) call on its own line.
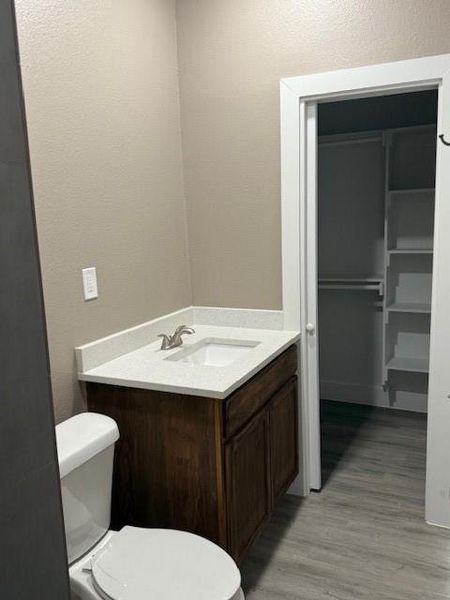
point(32, 547)
point(382, 112)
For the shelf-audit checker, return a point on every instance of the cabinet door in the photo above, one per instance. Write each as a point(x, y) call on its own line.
point(248, 484)
point(283, 426)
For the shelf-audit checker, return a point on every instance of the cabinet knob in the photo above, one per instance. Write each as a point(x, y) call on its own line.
point(310, 328)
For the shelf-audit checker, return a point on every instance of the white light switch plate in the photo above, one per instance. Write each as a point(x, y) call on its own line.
point(90, 283)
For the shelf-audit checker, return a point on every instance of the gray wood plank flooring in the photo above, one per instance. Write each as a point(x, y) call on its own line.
point(363, 536)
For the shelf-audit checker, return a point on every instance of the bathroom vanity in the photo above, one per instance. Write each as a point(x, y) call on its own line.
point(209, 465)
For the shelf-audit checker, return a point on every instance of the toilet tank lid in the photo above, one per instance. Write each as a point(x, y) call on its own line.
point(82, 437)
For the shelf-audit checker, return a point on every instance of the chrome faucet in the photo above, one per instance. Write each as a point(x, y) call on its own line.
point(172, 341)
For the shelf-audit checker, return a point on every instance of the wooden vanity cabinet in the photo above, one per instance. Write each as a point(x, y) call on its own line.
point(212, 467)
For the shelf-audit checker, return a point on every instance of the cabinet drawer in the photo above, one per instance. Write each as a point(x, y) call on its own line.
point(253, 395)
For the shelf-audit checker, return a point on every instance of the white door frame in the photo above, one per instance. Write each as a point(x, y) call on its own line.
point(299, 98)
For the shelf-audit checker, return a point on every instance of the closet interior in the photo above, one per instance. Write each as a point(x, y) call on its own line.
point(376, 174)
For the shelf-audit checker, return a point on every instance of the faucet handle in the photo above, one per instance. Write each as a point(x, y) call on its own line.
point(165, 344)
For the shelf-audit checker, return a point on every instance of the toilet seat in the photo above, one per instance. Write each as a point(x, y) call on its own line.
point(142, 564)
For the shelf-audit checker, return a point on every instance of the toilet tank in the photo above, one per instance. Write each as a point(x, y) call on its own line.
point(85, 446)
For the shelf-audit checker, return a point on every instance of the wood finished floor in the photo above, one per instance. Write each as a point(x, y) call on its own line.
point(364, 536)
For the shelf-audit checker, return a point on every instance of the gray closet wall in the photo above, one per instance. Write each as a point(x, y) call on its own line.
point(378, 112)
point(33, 557)
point(351, 244)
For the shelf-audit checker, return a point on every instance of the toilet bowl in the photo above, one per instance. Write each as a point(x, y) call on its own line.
point(133, 563)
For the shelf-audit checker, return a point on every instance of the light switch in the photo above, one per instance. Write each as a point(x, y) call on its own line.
point(90, 283)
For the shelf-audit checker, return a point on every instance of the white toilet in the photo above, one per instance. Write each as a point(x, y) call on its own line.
point(134, 563)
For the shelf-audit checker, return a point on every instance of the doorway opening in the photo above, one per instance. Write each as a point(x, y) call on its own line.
point(376, 186)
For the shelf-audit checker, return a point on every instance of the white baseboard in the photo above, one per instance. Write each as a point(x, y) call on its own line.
point(372, 395)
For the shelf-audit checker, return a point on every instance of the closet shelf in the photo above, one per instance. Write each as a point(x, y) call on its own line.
point(416, 365)
point(409, 223)
point(410, 307)
point(410, 251)
point(411, 191)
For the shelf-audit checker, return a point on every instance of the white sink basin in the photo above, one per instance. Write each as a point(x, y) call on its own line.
point(212, 352)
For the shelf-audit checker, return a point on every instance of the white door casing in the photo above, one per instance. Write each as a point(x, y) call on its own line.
point(299, 98)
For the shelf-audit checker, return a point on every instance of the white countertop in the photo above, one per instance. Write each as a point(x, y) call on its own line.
point(147, 367)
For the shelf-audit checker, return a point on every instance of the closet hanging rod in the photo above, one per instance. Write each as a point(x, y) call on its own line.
point(357, 286)
point(355, 279)
point(374, 287)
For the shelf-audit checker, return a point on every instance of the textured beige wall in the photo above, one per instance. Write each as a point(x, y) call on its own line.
point(232, 54)
point(101, 92)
